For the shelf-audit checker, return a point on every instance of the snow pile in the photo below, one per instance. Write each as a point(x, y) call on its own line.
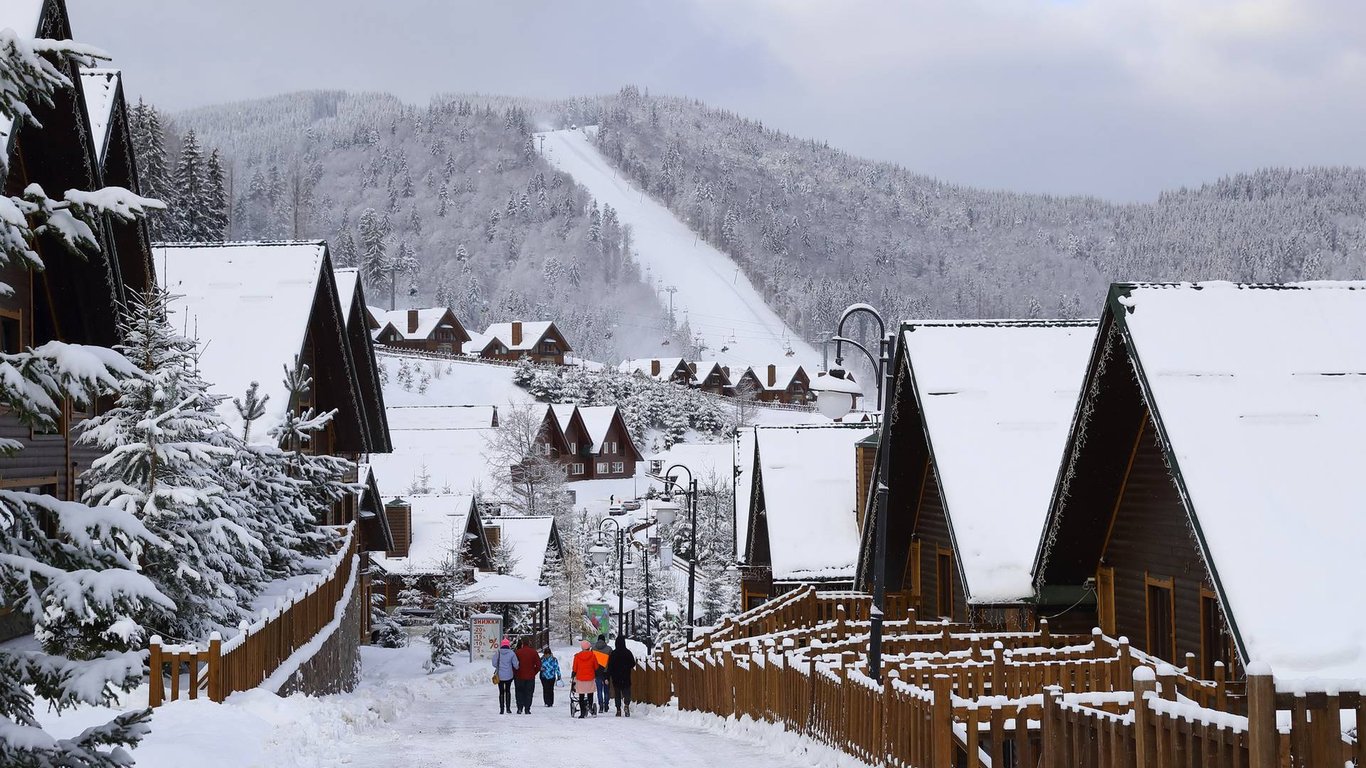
point(452, 459)
point(714, 296)
point(997, 399)
point(501, 588)
point(404, 417)
point(809, 487)
point(1260, 393)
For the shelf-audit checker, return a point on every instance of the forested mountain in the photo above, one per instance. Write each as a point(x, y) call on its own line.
point(459, 187)
point(446, 203)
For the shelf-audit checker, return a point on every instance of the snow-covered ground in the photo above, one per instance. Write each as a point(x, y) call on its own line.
point(402, 717)
point(718, 301)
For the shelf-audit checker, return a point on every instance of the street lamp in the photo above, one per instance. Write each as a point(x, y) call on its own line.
point(599, 553)
point(690, 493)
point(835, 392)
point(835, 389)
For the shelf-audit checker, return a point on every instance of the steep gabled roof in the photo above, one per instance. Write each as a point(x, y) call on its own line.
point(669, 367)
point(355, 314)
point(806, 477)
point(532, 334)
point(101, 87)
point(598, 421)
point(440, 521)
point(252, 306)
point(22, 16)
point(428, 320)
point(1257, 394)
point(783, 376)
point(527, 539)
point(702, 369)
point(996, 400)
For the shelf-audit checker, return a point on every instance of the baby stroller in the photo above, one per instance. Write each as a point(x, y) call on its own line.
point(591, 691)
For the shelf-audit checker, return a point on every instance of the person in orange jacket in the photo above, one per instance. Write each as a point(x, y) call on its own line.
point(585, 670)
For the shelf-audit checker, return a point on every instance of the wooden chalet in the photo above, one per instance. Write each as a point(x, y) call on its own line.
point(257, 308)
point(427, 528)
point(612, 453)
point(803, 510)
point(357, 318)
point(1208, 505)
point(744, 383)
point(788, 384)
point(981, 410)
point(541, 342)
point(433, 329)
point(710, 376)
point(672, 369)
point(75, 298)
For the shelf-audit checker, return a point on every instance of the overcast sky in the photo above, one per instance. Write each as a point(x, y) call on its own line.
point(1117, 98)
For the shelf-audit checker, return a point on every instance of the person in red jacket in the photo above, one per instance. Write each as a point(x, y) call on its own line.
point(585, 670)
point(524, 678)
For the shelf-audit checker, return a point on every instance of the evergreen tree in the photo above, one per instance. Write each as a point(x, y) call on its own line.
point(320, 478)
point(388, 633)
point(168, 462)
point(215, 200)
point(149, 152)
point(190, 209)
point(345, 250)
point(450, 620)
point(69, 568)
point(373, 256)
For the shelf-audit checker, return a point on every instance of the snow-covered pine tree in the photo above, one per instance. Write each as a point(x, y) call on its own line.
point(149, 149)
point(412, 600)
point(68, 567)
point(216, 222)
point(373, 257)
point(321, 479)
point(388, 633)
point(168, 461)
point(187, 182)
point(450, 620)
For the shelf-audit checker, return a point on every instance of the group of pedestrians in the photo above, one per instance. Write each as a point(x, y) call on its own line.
point(595, 672)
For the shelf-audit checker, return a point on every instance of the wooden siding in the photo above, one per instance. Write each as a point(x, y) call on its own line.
point(865, 467)
point(1151, 540)
point(932, 531)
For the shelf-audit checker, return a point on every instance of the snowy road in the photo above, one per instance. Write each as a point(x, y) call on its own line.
point(718, 301)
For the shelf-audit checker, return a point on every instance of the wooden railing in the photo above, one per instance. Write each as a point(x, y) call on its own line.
point(259, 648)
point(1003, 700)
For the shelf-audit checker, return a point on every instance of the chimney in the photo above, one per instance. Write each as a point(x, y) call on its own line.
point(654, 367)
point(726, 370)
point(692, 368)
point(494, 533)
point(516, 333)
point(772, 374)
point(412, 321)
point(400, 516)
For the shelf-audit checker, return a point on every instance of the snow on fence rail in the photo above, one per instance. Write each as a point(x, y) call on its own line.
point(999, 700)
point(250, 657)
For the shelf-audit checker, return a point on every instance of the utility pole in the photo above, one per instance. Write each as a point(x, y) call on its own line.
point(671, 290)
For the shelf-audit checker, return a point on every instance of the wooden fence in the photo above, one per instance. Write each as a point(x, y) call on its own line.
point(246, 660)
point(965, 700)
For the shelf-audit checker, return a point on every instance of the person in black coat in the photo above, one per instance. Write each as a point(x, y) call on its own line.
point(620, 662)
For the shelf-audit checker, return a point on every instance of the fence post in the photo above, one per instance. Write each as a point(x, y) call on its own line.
point(1044, 634)
point(1262, 748)
point(1052, 728)
point(1166, 677)
point(1098, 639)
point(941, 721)
point(1145, 682)
point(1220, 686)
point(154, 690)
point(215, 664)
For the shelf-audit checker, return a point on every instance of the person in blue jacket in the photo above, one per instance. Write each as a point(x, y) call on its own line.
point(550, 675)
point(505, 664)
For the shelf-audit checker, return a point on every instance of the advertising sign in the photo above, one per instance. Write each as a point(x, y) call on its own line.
point(600, 618)
point(486, 629)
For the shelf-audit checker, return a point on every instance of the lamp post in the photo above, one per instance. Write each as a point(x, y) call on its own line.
point(834, 395)
point(599, 553)
point(690, 493)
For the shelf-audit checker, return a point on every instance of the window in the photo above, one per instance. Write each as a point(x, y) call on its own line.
point(1105, 599)
point(576, 469)
point(1161, 618)
point(574, 448)
point(11, 332)
point(944, 583)
point(545, 449)
point(602, 468)
point(548, 347)
point(618, 467)
point(1213, 644)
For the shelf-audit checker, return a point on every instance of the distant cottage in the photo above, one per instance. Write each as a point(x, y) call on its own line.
point(541, 342)
point(433, 329)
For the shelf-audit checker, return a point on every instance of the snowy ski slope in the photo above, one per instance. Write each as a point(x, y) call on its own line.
point(717, 300)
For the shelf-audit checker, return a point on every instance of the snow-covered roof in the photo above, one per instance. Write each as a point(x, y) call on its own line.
point(526, 540)
point(704, 460)
point(346, 279)
point(100, 87)
point(701, 369)
point(248, 305)
point(501, 588)
point(439, 524)
point(666, 366)
point(997, 400)
point(428, 417)
point(502, 332)
point(579, 362)
point(454, 458)
point(427, 321)
point(597, 419)
point(782, 376)
point(1260, 393)
point(810, 511)
point(744, 485)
